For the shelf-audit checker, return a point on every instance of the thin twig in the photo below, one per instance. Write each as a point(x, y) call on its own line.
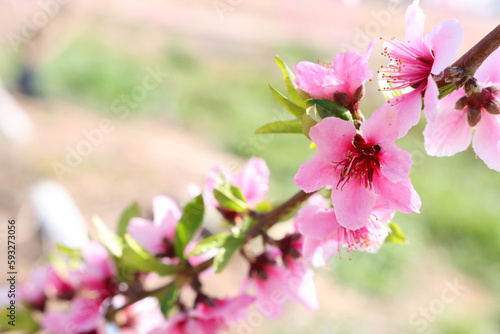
point(473, 58)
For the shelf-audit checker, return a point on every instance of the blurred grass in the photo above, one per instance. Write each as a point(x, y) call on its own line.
point(228, 100)
point(219, 99)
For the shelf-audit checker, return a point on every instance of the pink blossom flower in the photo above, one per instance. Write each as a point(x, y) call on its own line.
point(157, 237)
point(415, 61)
point(97, 270)
point(252, 180)
point(184, 323)
point(143, 316)
point(228, 311)
point(451, 131)
point(346, 74)
point(324, 237)
point(275, 284)
point(62, 287)
point(341, 81)
point(33, 290)
point(208, 317)
point(84, 316)
point(362, 168)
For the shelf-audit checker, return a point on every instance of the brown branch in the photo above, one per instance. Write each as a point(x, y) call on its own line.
point(274, 216)
point(473, 58)
point(111, 312)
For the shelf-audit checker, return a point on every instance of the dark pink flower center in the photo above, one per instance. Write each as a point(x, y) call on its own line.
point(360, 163)
point(259, 266)
point(290, 247)
point(486, 100)
point(410, 65)
point(168, 249)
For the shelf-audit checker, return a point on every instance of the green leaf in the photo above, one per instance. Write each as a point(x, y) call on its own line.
point(230, 245)
point(190, 222)
point(169, 298)
point(307, 124)
point(446, 90)
point(237, 193)
point(113, 243)
point(264, 206)
point(329, 108)
point(396, 236)
point(214, 241)
point(290, 87)
point(70, 252)
point(130, 212)
point(294, 126)
point(286, 103)
point(136, 257)
point(23, 319)
point(247, 224)
point(230, 197)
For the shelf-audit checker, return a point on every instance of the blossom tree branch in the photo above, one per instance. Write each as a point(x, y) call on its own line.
point(272, 217)
point(473, 58)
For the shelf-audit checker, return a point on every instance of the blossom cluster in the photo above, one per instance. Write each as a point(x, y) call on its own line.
point(149, 277)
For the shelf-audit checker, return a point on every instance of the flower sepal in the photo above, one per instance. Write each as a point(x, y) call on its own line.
point(329, 108)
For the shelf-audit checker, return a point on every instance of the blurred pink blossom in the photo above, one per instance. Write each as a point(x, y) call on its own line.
point(208, 317)
point(275, 284)
point(157, 237)
point(253, 181)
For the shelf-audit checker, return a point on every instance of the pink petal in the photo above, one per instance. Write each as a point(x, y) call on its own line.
point(369, 49)
point(84, 315)
point(380, 126)
point(486, 141)
point(489, 71)
point(415, 20)
point(145, 315)
point(166, 215)
point(333, 136)
point(398, 196)
point(97, 260)
point(55, 322)
point(316, 222)
point(395, 163)
point(314, 174)
point(383, 214)
point(431, 99)
point(301, 284)
point(353, 205)
point(450, 132)
point(318, 200)
point(444, 40)
point(213, 178)
point(316, 80)
point(199, 259)
point(147, 234)
point(318, 251)
point(33, 290)
point(265, 291)
point(253, 180)
point(351, 70)
point(228, 310)
point(409, 109)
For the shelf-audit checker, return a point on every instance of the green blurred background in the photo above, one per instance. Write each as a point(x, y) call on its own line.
point(219, 59)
